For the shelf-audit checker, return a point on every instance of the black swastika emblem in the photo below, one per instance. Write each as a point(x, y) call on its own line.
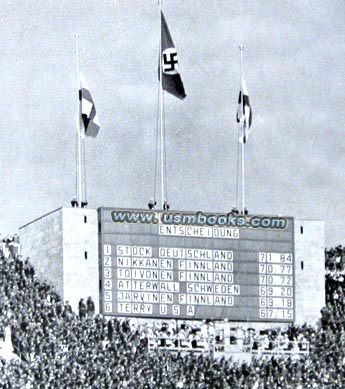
point(170, 62)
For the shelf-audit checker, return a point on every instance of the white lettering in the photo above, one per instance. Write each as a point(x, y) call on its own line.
point(172, 230)
point(199, 276)
point(142, 308)
point(176, 310)
point(226, 233)
point(226, 289)
point(166, 275)
point(224, 300)
point(166, 298)
point(171, 252)
point(166, 264)
point(123, 250)
point(223, 254)
point(124, 308)
point(198, 254)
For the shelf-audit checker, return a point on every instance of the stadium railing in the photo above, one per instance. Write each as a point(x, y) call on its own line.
point(203, 345)
point(180, 345)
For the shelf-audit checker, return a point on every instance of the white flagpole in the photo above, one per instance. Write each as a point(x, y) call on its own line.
point(238, 165)
point(79, 194)
point(161, 104)
point(84, 164)
point(242, 127)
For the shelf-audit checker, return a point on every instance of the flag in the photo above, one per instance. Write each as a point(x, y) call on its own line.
point(244, 112)
point(88, 112)
point(171, 79)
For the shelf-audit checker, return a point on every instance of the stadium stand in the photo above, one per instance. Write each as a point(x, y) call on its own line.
point(59, 348)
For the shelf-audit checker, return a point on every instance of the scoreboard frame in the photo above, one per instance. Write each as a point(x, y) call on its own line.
point(155, 254)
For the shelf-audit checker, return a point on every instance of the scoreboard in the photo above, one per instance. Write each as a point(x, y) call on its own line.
point(194, 265)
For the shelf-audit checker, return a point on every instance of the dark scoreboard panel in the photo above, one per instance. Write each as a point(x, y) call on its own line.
point(155, 265)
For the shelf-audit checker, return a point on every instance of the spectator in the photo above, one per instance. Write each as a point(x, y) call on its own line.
point(67, 313)
point(90, 305)
point(82, 309)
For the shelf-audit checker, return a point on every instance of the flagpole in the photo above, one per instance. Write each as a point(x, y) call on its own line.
point(84, 164)
point(78, 179)
point(242, 127)
point(238, 165)
point(161, 104)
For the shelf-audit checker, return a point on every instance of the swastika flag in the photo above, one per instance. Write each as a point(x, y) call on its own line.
point(171, 79)
point(88, 112)
point(244, 111)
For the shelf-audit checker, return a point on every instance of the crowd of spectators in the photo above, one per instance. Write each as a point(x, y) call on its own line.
point(9, 239)
point(63, 349)
point(10, 245)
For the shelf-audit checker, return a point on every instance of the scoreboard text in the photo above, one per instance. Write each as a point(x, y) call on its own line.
point(156, 269)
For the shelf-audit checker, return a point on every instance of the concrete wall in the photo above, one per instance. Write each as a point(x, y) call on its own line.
point(80, 255)
point(63, 247)
point(41, 241)
point(309, 270)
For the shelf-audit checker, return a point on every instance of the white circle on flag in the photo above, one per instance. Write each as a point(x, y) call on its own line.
point(169, 61)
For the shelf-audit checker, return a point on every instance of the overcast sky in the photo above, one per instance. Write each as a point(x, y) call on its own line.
point(294, 61)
